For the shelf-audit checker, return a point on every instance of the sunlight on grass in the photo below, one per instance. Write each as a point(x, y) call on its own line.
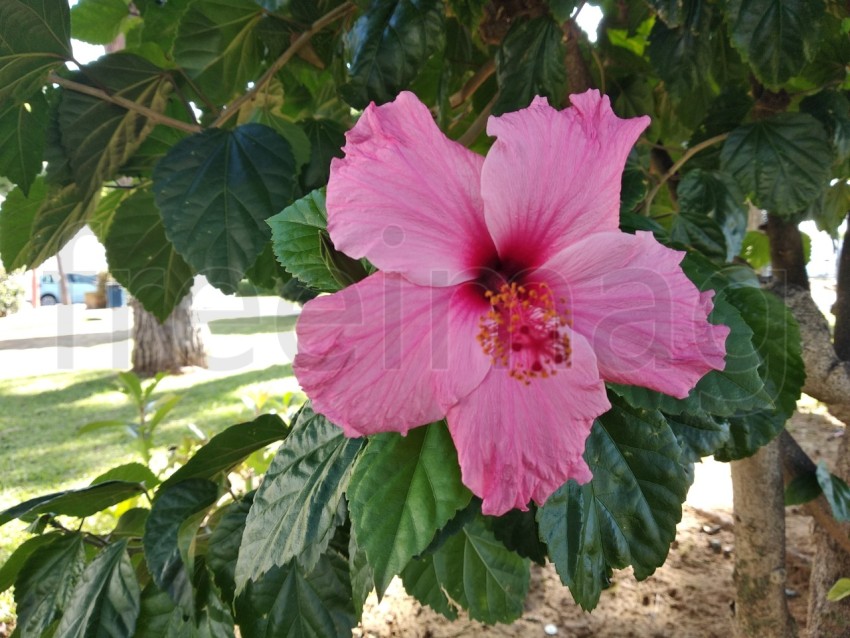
point(253, 325)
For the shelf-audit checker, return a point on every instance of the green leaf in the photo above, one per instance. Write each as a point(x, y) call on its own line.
point(129, 472)
point(215, 191)
point(35, 38)
point(22, 135)
point(288, 602)
point(421, 581)
point(132, 523)
point(828, 212)
point(159, 617)
point(836, 491)
point(98, 136)
point(715, 194)
point(223, 549)
point(17, 213)
point(79, 503)
point(362, 580)
point(701, 232)
point(13, 565)
point(518, 531)
point(530, 62)
point(756, 249)
point(481, 574)
point(298, 235)
point(45, 583)
point(295, 510)
point(217, 45)
point(143, 260)
point(388, 45)
point(230, 447)
point(99, 21)
point(106, 599)
point(839, 591)
point(627, 514)
point(170, 510)
point(832, 109)
point(776, 37)
point(327, 138)
point(782, 162)
point(802, 489)
point(698, 435)
point(403, 490)
point(750, 431)
point(94, 426)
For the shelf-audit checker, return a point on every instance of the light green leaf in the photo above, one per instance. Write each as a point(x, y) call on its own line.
point(143, 260)
point(295, 511)
point(78, 503)
point(35, 38)
point(216, 190)
point(12, 567)
point(783, 162)
point(403, 490)
point(627, 514)
point(100, 21)
point(839, 591)
point(105, 601)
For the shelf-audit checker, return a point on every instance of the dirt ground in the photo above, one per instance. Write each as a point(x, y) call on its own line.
point(691, 595)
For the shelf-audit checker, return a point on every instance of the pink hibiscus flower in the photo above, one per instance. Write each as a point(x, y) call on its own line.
point(506, 293)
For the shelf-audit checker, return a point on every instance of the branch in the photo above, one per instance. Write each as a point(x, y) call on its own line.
point(471, 134)
point(154, 116)
point(473, 84)
point(301, 41)
point(681, 162)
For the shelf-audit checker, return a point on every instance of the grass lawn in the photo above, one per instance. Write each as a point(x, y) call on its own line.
point(40, 451)
point(253, 325)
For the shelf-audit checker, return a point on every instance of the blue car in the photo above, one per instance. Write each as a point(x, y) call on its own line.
point(78, 286)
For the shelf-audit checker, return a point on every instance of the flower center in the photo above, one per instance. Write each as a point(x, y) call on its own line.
point(524, 331)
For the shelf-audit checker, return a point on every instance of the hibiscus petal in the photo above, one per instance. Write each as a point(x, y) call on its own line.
point(387, 355)
point(646, 321)
point(553, 177)
point(408, 198)
point(520, 442)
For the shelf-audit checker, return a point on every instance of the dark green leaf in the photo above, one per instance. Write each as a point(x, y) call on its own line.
point(230, 447)
point(217, 45)
point(298, 234)
point(99, 21)
point(802, 489)
point(828, 212)
point(13, 565)
point(224, 545)
point(403, 489)
point(715, 194)
point(701, 232)
point(518, 531)
point(22, 131)
point(421, 581)
point(671, 11)
point(627, 514)
point(61, 215)
point(836, 491)
point(215, 619)
point(832, 109)
point(295, 510)
point(481, 574)
point(783, 162)
point(17, 213)
point(143, 260)
point(45, 583)
point(105, 601)
point(35, 37)
point(530, 62)
point(362, 581)
point(159, 617)
point(288, 602)
point(132, 523)
point(388, 45)
point(698, 435)
point(170, 510)
point(129, 472)
point(80, 503)
point(98, 136)
point(326, 140)
point(776, 37)
point(215, 191)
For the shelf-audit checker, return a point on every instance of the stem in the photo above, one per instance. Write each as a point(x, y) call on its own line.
point(330, 17)
point(473, 84)
point(711, 141)
point(153, 116)
point(474, 130)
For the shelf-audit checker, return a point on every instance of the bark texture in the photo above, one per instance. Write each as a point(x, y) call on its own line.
point(841, 309)
point(786, 252)
point(169, 346)
point(760, 605)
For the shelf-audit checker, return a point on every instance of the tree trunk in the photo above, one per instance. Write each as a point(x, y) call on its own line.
point(760, 606)
point(169, 346)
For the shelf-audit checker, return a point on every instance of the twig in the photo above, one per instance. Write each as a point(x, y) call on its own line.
point(330, 17)
point(474, 130)
point(681, 162)
point(473, 84)
point(130, 105)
